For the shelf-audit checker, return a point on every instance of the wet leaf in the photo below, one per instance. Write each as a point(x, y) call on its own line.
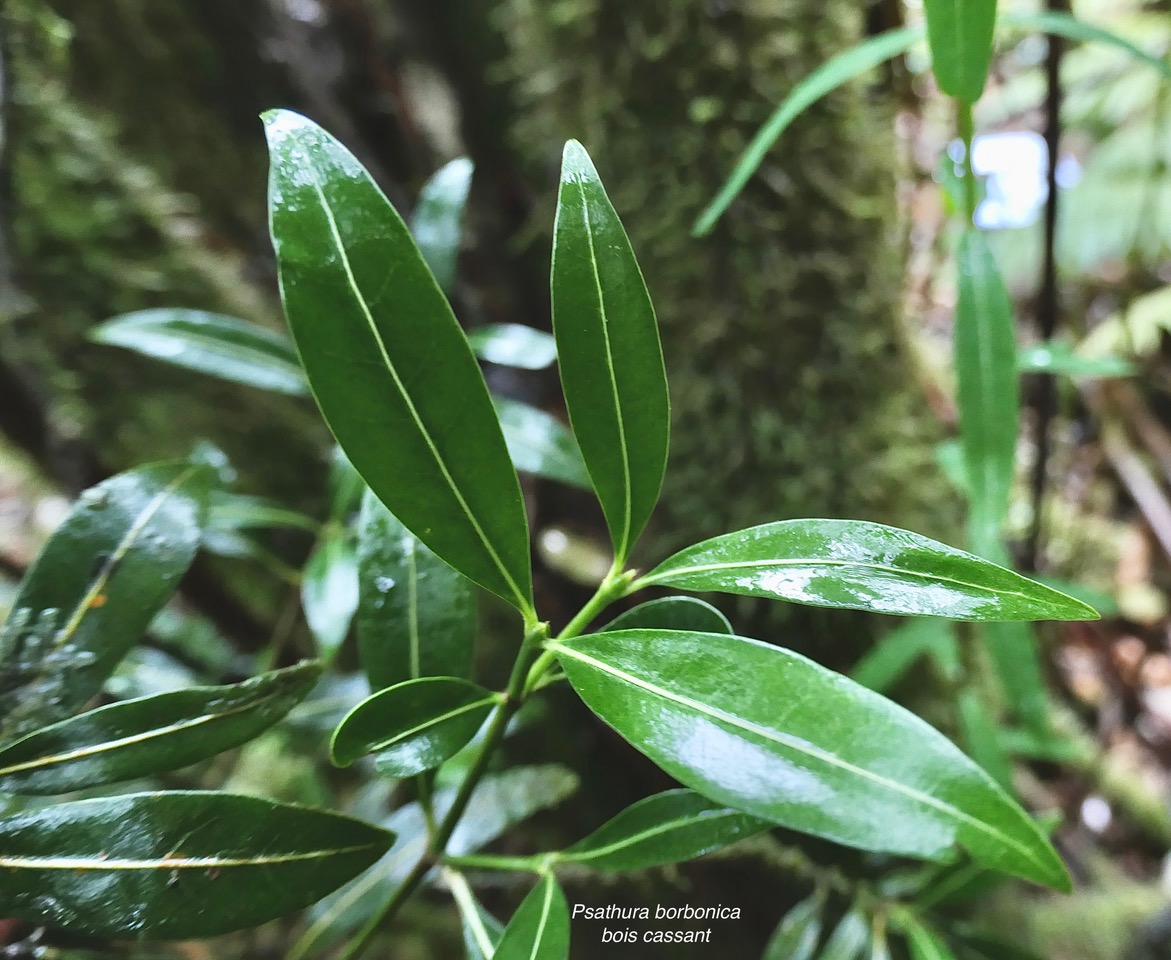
point(960, 34)
point(413, 726)
point(94, 588)
point(388, 363)
point(210, 343)
point(138, 738)
point(416, 615)
point(798, 933)
point(541, 444)
point(667, 828)
point(329, 591)
point(781, 738)
point(195, 864)
point(610, 359)
point(862, 566)
point(673, 613)
point(514, 345)
point(539, 930)
point(438, 219)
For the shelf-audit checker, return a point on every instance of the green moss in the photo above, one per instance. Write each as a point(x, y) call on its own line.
point(792, 394)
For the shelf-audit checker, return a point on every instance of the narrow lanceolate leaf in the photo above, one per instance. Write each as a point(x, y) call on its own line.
point(673, 613)
point(413, 726)
point(779, 737)
point(925, 944)
point(175, 866)
point(862, 566)
point(329, 591)
point(237, 511)
point(667, 828)
point(438, 217)
point(388, 363)
point(849, 939)
point(986, 381)
point(514, 345)
point(610, 357)
point(541, 444)
point(835, 72)
point(896, 652)
point(960, 35)
point(211, 343)
point(482, 931)
point(798, 933)
point(97, 584)
point(416, 615)
point(151, 735)
point(539, 930)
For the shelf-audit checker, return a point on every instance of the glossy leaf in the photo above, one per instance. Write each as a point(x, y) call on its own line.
point(896, 652)
point(610, 358)
point(835, 72)
point(1059, 357)
point(541, 444)
point(986, 380)
point(329, 591)
point(781, 738)
point(210, 343)
point(862, 566)
point(416, 615)
point(673, 613)
point(138, 738)
point(798, 933)
point(539, 930)
point(94, 588)
point(960, 34)
point(413, 726)
point(849, 938)
point(194, 864)
point(388, 363)
point(499, 802)
point(514, 345)
point(667, 828)
point(438, 219)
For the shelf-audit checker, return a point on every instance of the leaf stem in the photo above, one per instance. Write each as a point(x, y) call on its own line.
point(535, 635)
point(537, 864)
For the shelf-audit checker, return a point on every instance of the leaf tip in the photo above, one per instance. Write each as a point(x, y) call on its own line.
point(576, 165)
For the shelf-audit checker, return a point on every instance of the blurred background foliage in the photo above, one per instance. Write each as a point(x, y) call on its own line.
point(807, 344)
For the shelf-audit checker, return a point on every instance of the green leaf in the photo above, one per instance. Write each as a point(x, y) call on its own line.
point(211, 343)
point(980, 735)
point(798, 933)
point(779, 737)
point(673, 613)
point(667, 828)
point(416, 615)
point(482, 931)
point(825, 79)
point(388, 363)
point(539, 930)
point(176, 866)
point(138, 738)
point(438, 219)
point(500, 801)
point(413, 726)
point(541, 444)
point(1068, 26)
point(924, 943)
point(1057, 356)
point(329, 591)
point(610, 357)
point(861, 566)
point(514, 345)
point(986, 381)
point(849, 938)
point(960, 34)
point(98, 582)
point(238, 511)
point(896, 652)
point(346, 487)
point(1014, 652)
point(991, 947)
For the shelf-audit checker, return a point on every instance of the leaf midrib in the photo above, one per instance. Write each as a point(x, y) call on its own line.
point(97, 864)
point(679, 823)
point(799, 746)
point(431, 722)
point(351, 280)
